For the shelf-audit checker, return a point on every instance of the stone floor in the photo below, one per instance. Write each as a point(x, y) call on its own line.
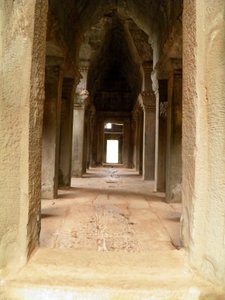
point(109, 237)
point(110, 210)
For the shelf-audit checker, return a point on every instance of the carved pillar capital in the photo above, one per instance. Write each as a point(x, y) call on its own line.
point(147, 81)
point(81, 99)
point(147, 66)
point(83, 68)
point(148, 101)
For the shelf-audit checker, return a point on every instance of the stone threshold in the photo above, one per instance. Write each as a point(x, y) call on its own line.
point(66, 274)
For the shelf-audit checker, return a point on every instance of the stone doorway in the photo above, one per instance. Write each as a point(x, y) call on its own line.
point(112, 151)
point(113, 143)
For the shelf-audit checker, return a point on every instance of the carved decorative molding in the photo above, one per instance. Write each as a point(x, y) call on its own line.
point(148, 101)
point(147, 94)
point(81, 100)
point(163, 107)
point(150, 107)
point(148, 66)
point(83, 68)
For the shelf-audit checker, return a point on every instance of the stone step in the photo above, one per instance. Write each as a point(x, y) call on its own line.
point(65, 274)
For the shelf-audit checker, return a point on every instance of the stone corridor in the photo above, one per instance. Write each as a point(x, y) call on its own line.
point(110, 236)
point(112, 135)
point(110, 210)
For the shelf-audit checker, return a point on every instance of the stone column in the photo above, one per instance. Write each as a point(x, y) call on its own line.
point(162, 136)
point(127, 144)
point(140, 142)
point(86, 140)
point(51, 131)
point(78, 133)
point(91, 135)
point(174, 137)
point(149, 107)
point(148, 103)
point(137, 137)
point(65, 152)
point(94, 145)
point(99, 136)
point(134, 137)
point(87, 135)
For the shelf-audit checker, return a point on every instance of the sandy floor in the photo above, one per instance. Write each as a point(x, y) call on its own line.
point(110, 210)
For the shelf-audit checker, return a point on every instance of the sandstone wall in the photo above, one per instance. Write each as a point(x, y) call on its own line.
point(22, 49)
point(204, 136)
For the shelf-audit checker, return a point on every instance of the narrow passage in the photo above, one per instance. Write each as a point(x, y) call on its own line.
point(110, 237)
point(110, 210)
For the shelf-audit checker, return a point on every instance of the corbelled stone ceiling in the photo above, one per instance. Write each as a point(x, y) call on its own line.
point(153, 17)
point(113, 38)
point(114, 50)
point(114, 78)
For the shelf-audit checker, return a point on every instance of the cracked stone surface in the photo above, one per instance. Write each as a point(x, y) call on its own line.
point(110, 210)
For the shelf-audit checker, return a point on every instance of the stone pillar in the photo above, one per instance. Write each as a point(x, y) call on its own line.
point(51, 131)
point(162, 136)
point(127, 144)
point(137, 137)
point(78, 133)
point(86, 140)
point(95, 144)
point(134, 138)
point(174, 137)
point(148, 104)
point(140, 142)
point(88, 131)
point(149, 107)
point(92, 129)
point(99, 140)
point(66, 132)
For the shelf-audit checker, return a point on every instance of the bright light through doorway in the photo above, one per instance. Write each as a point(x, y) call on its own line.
point(112, 151)
point(108, 126)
